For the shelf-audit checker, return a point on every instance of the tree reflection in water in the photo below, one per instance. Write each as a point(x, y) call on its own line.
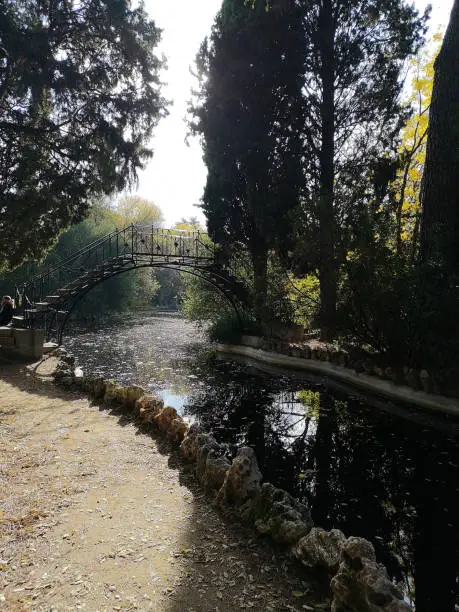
point(361, 469)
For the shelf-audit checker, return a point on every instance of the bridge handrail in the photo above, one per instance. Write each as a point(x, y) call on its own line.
point(98, 242)
point(86, 249)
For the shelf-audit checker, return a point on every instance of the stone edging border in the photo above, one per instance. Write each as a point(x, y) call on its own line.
point(370, 384)
point(357, 581)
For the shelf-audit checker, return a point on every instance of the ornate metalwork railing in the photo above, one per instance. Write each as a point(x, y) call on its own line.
point(136, 244)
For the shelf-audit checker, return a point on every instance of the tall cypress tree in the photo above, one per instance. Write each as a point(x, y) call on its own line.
point(250, 115)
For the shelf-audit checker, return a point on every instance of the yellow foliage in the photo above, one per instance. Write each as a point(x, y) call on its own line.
point(412, 150)
point(303, 293)
point(134, 209)
point(311, 401)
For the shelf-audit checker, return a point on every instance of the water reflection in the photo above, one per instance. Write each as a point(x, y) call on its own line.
point(148, 350)
point(367, 471)
point(361, 469)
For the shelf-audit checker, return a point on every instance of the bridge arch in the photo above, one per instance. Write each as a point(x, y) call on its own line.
point(59, 329)
point(49, 299)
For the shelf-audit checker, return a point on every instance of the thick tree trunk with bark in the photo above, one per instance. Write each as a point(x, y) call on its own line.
point(440, 189)
point(327, 260)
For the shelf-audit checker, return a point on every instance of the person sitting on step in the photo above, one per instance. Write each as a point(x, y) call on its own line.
point(6, 312)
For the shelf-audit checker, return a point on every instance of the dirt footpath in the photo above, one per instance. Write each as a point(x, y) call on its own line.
point(95, 515)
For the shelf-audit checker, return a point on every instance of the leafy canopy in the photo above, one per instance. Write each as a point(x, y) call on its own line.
point(79, 98)
point(369, 46)
point(138, 210)
point(412, 149)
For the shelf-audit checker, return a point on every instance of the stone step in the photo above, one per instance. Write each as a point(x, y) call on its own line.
point(7, 336)
point(52, 299)
point(30, 312)
point(19, 321)
point(76, 283)
point(105, 269)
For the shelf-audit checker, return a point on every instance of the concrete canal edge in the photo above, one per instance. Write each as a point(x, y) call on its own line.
point(364, 382)
point(235, 484)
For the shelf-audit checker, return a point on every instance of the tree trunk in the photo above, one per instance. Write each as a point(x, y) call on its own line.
point(399, 211)
point(260, 271)
point(327, 260)
point(440, 183)
point(434, 533)
point(415, 241)
point(259, 252)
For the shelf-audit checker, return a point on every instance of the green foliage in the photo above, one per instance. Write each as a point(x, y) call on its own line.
point(191, 225)
point(304, 296)
point(134, 209)
point(375, 302)
point(355, 54)
point(311, 400)
point(169, 295)
point(434, 325)
point(408, 314)
point(227, 329)
point(180, 290)
point(278, 307)
point(79, 99)
point(126, 292)
point(202, 303)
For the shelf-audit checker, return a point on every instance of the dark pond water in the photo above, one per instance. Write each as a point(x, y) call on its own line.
point(387, 474)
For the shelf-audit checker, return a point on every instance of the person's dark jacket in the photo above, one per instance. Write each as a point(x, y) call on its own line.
point(6, 313)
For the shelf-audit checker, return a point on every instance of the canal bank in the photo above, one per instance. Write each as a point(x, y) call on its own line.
point(330, 372)
point(234, 481)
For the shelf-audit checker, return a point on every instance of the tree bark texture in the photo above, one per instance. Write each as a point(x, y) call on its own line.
point(440, 185)
point(327, 260)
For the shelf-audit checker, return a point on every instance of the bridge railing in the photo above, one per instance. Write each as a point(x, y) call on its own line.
point(129, 244)
point(181, 244)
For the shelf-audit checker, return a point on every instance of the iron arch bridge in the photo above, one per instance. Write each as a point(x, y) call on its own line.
point(47, 300)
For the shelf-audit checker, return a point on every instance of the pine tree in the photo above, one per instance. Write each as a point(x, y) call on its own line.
point(79, 98)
